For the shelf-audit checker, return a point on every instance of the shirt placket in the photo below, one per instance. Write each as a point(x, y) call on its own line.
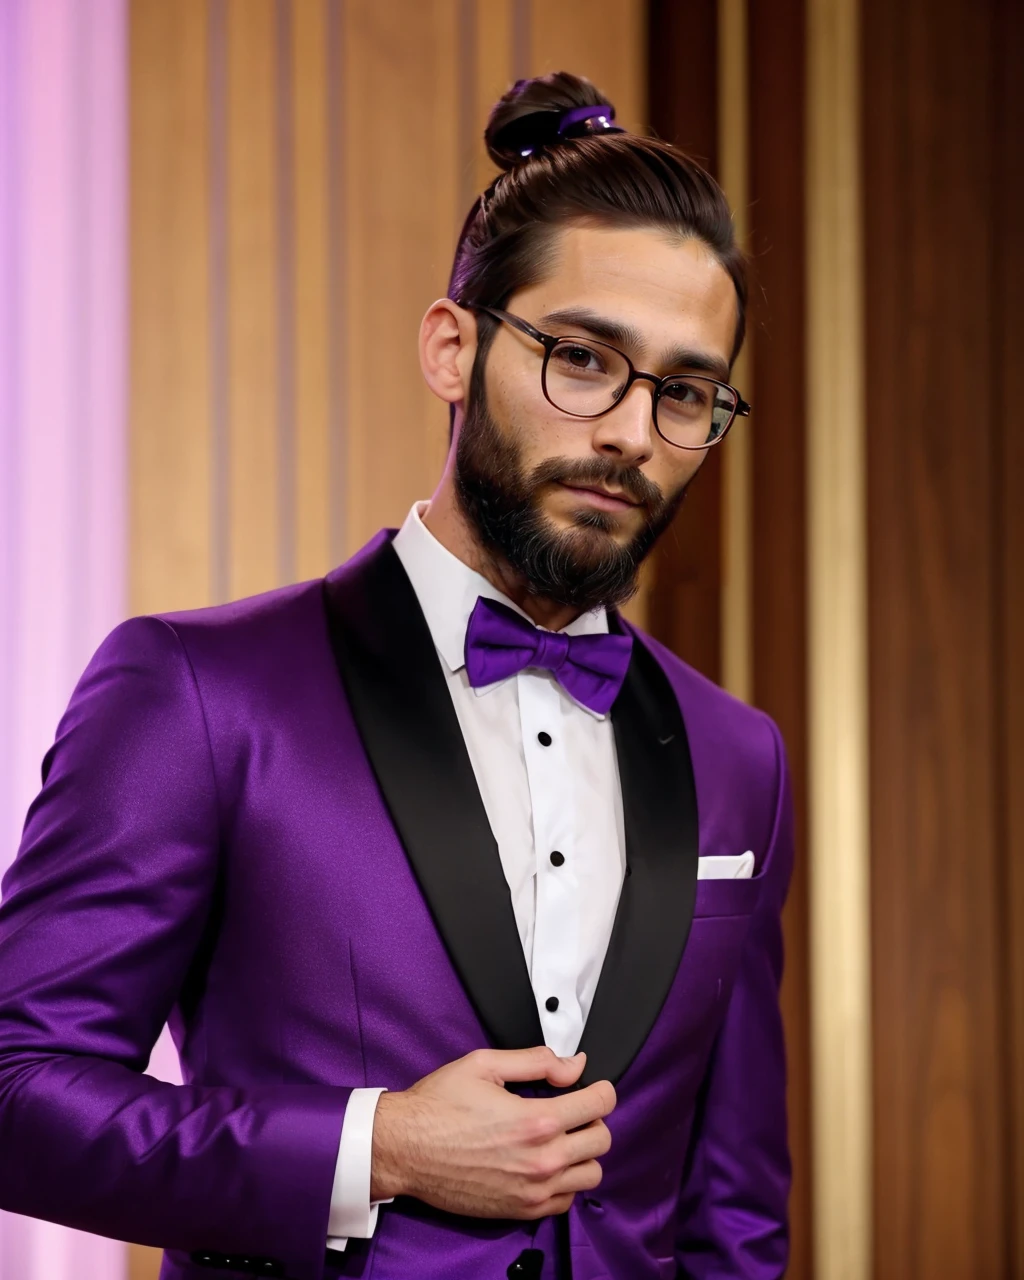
point(554, 962)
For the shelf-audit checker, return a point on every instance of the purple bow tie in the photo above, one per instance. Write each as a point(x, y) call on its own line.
point(501, 643)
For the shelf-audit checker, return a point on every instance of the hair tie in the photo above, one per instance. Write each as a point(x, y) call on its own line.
point(583, 120)
point(531, 133)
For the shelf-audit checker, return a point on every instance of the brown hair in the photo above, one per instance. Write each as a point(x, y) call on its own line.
point(616, 179)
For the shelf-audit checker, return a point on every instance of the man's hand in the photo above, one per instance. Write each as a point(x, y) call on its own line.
point(462, 1142)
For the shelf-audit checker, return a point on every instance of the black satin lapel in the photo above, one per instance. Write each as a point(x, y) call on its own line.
point(656, 904)
point(404, 713)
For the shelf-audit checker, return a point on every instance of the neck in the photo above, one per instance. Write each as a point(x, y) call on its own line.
point(446, 520)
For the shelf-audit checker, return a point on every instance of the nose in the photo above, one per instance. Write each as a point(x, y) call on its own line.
point(627, 432)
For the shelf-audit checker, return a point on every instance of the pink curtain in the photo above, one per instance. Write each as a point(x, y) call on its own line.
point(63, 369)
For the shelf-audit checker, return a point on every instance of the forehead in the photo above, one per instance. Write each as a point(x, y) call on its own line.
point(672, 290)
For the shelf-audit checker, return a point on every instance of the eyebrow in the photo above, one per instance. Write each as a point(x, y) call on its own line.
point(621, 334)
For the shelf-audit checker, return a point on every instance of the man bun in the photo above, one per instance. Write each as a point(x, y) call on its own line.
point(527, 117)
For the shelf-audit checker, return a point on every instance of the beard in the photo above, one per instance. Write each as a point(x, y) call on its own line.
point(582, 567)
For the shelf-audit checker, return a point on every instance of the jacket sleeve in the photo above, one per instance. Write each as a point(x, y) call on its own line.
point(733, 1216)
point(102, 914)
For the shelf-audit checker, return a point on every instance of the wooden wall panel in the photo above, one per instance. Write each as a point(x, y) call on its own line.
point(1008, 261)
point(252, 298)
point(776, 68)
point(737, 457)
point(170, 418)
point(311, 314)
point(401, 131)
point(838, 800)
point(939, 251)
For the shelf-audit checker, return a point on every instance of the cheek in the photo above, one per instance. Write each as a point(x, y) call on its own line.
point(514, 392)
point(672, 469)
point(517, 404)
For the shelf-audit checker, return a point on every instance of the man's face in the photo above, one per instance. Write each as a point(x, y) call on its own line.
point(575, 504)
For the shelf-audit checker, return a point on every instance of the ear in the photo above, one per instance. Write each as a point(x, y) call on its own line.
point(448, 349)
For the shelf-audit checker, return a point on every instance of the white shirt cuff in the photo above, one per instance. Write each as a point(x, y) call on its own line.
point(352, 1213)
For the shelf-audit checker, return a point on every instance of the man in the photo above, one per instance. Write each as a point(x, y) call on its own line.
point(460, 895)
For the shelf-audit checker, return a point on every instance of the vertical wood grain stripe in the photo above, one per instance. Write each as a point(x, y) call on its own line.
point(220, 408)
point(402, 217)
point(839, 925)
point(252, 279)
point(737, 586)
point(338, 239)
point(284, 186)
point(172, 456)
point(311, 318)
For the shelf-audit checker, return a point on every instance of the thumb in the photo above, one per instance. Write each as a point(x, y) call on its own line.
point(566, 1071)
point(540, 1063)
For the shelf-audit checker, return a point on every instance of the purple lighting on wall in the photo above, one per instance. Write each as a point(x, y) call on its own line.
point(63, 396)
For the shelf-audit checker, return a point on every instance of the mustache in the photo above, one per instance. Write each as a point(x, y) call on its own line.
point(596, 471)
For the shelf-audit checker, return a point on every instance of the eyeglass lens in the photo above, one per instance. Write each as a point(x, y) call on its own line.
point(586, 379)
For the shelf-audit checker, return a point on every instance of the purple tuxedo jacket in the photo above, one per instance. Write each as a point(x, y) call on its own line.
point(259, 823)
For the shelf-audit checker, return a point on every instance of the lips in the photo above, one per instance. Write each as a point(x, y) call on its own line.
point(602, 498)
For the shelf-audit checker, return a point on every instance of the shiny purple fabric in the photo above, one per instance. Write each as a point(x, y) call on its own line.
point(210, 845)
point(603, 114)
point(500, 643)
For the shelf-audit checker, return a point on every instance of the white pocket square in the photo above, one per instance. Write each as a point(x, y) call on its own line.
point(729, 866)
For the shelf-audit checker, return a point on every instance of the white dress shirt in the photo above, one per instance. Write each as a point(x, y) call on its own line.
point(556, 814)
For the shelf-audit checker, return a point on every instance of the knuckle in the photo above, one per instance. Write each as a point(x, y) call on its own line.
point(534, 1201)
point(541, 1127)
point(544, 1167)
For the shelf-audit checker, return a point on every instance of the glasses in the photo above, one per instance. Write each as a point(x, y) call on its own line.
point(586, 379)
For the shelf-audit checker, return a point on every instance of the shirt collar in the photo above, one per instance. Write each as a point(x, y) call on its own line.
point(448, 589)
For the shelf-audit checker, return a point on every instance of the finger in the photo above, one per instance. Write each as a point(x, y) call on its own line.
point(589, 1143)
point(585, 1176)
point(560, 1191)
point(564, 1072)
point(518, 1065)
point(594, 1102)
point(548, 1208)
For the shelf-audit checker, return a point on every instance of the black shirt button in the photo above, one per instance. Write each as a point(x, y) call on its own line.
point(544, 738)
point(528, 1266)
point(557, 858)
point(551, 1004)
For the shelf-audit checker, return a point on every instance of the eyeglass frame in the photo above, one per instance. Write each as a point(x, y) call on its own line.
point(549, 341)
